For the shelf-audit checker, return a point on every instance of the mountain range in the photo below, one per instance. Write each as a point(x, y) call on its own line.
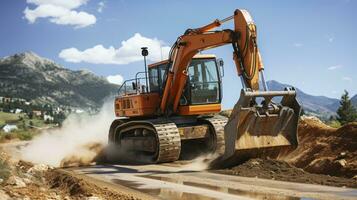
point(40, 80)
point(318, 105)
point(354, 100)
point(29, 76)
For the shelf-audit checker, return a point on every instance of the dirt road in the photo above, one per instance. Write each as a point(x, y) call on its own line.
point(174, 181)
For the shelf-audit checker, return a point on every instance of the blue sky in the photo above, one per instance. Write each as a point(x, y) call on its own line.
point(310, 44)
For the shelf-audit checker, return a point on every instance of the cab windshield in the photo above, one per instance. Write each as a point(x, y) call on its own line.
point(203, 84)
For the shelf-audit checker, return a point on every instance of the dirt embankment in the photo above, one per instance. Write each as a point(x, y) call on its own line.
point(23, 180)
point(325, 155)
point(78, 187)
point(325, 150)
point(283, 171)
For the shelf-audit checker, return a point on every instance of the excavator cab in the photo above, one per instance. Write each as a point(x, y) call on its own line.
point(203, 83)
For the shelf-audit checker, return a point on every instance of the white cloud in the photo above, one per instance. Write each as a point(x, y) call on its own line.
point(115, 79)
point(346, 78)
point(60, 12)
point(128, 52)
point(70, 4)
point(333, 67)
point(101, 6)
point(298, 44)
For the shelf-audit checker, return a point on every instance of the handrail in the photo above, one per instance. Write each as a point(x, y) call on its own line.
point(124, 84)
point(137, 80)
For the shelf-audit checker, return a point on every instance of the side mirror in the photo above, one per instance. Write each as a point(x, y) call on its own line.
point(220, 63)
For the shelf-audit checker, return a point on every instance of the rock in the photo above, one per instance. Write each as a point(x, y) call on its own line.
point(38, 169)
point(342, 162)
point(1, 180)
point(16, 181)
point(55, 196)
point(341, 155)
point(93, 198)
point(255, 162)
point(27, 181)
point(4, 196)
point(355, 177)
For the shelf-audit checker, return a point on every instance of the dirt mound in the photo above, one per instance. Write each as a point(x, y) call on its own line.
point(325, 150)
point(68, 183)
point(281, 170)
point(325, 155)
point(24, 180)
point(79, 188)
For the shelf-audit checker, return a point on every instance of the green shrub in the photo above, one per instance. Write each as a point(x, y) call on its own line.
point(24, 135)
point(334, 124)
point(4, 170)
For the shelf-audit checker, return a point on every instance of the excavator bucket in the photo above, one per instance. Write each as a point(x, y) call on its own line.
point(255, 130)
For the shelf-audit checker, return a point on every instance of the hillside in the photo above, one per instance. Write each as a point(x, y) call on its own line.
point(354, 100)
point(319, 105)
point(40, 80)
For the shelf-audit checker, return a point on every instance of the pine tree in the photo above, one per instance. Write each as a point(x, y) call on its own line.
point(346, 112)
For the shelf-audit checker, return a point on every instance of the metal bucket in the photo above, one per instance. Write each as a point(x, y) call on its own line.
point(254, 130)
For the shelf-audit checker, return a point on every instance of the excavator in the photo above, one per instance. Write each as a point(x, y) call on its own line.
point(173, 106)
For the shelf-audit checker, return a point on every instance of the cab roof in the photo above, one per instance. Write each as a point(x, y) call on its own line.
point(194, 57)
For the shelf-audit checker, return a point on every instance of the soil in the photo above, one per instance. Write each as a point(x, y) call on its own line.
point(325, 150)
point(78, 187)
point(325, 155)
point(283, 171)
point(29, 181)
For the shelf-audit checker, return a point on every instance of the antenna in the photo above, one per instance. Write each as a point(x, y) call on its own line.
point(145, 52)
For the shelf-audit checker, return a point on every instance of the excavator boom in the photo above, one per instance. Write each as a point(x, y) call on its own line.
point(246, 54)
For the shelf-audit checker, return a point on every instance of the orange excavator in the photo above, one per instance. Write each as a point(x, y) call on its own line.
point(173, 108)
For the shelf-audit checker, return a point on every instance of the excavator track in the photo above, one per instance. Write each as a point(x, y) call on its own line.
point(161, 139)
point(217, 123)
point(169, 142)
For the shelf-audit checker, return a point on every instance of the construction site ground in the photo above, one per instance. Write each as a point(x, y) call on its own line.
point(324, 166)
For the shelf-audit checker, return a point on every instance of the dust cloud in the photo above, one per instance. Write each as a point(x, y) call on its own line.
point(74, 140)
point(200, 163)
point(82, 140)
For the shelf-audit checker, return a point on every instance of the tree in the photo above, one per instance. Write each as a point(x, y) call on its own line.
point(346, 112)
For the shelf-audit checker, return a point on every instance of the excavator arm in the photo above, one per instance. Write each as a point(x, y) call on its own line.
point(245, 54)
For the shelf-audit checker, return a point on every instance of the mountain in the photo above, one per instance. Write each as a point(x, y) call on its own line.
point(320, 105)
point(354, 100)
point(29, 76)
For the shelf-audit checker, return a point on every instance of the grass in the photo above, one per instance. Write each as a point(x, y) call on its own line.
point(18, 134)
point(5, 170)
point(334, 124)
point(25, 135)
point(24, 131)
point(37, 122)
point(6, 117)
